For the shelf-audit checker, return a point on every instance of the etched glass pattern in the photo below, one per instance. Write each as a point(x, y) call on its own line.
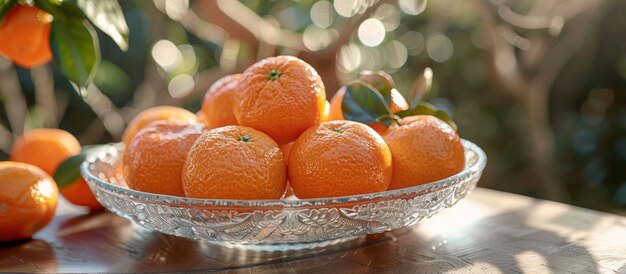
point(277, 222)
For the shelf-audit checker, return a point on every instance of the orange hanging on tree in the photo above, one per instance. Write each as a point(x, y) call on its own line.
point(25, 36)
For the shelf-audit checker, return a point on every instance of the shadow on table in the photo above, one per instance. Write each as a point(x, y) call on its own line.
point(33, 256)
point(483, 246)
point(505, 242)
point(480, 247)
point(112, 244)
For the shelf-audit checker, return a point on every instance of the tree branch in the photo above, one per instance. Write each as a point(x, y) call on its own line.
point(245, 25)
point(330, 52)
point(14, 103)
point(501, 61)
point(105, 110)
point(44, 94)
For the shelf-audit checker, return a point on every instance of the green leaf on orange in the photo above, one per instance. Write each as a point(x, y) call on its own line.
point(423, 108)
point(60, 10)
point(380, 80)
point(421, 86)
point(363, 103)
point(5, 6)
point(69, 170)
point(75, 50)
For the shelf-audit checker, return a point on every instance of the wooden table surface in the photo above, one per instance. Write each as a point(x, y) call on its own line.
point(489, 231)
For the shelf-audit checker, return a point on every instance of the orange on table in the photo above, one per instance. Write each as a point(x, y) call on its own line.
point(45, 148)
point(397, 104)
point(153, 161)
point(217, 104)
point(156, 114)
point(78, 193)
point(424, 149)
point(25, 36)
point(235, 162)
point(339, 158)
point(281, 96)
point(28, 199)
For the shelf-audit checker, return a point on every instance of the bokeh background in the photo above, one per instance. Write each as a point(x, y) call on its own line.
point(540, 85)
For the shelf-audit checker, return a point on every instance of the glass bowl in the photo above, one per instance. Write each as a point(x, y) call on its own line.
point(289, 223)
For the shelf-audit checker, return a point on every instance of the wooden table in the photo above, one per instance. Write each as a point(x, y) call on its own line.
point(490, 231)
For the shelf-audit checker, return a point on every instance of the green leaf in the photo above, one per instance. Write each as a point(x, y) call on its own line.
point(421, 86)
point(107, 15)
point(60, 10)
point(69, 170)
point(380, 80)
point(5, 6)
point(423, 108)
point(75, 50)
point(363, 103)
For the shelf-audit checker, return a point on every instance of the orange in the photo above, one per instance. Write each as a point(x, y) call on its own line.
point(217, 104)
point(397, 104)
point(28, 199)
point(156, 114)
point(281, 96)
point(78, 193)
point(339, 158)
point(286, 149)
point(424, 149)
point(200, 117)
point(235, 162)
point(153, 161)
point(25, 36)
point(45, 148)
point(326, 114)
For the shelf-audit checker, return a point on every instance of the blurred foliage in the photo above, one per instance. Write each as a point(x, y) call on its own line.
point(172, 51)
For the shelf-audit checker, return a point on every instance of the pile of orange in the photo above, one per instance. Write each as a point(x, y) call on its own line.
point(259, 135)
point(266, 131)
point(28, 192)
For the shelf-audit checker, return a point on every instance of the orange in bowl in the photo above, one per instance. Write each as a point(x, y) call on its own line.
point(339, 158)
point(217, 104)
point(424, 149)
point(153, 161)
point(235, 162)
point(281, 96)
point(156, 114)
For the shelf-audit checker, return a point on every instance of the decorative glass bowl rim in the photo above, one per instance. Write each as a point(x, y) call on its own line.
point(87, 170)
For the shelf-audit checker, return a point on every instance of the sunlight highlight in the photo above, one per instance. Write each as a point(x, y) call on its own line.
point(371, 32)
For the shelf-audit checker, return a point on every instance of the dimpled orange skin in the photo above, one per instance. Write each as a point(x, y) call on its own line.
point(339, 158)
point(397, 104)
point(153, 162)
point(424, 149)
point(25, 36)
point(235, 162)
point(78, 193)
point(281, 96)
point(45, 148)
point(156, 114)
point(217, 104)
point(28, 199)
